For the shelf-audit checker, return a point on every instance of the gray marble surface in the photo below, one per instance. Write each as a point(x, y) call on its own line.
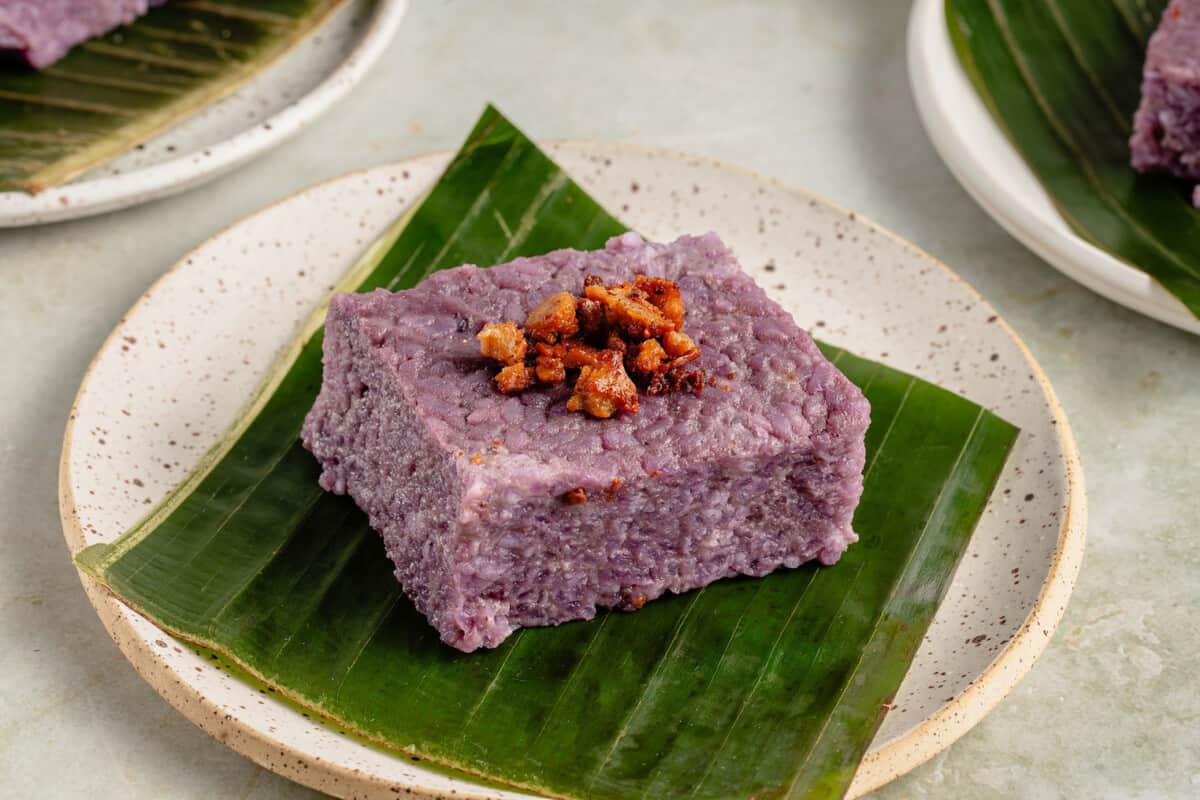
point(812, 91)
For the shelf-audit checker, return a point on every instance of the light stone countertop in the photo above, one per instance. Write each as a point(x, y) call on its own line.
point(814, 92)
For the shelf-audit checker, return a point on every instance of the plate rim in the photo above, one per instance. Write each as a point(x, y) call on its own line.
point(928, 41)
point(933, 735)
point(86, 198)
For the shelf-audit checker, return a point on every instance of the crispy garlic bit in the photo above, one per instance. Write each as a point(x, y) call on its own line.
point(627, 311)
point(677, 380)
point(514, 378)
point(575, 496)
point(664, 295)
point(550, 369)
point(592, 324)
point(680, 348)
point(650, 357)
point(604, 389)
point(554, 319)
point(573, 355)
point(610, 333)
point(577, 354)
point(503, 342)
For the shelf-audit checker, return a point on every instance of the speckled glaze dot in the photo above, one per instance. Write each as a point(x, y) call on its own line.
point(185, 359)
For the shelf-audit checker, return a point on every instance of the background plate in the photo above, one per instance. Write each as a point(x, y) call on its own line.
point(275, 104)
point(993, 172)
point(176, 371)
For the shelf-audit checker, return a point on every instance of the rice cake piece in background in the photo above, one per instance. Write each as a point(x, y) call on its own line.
point(43, 31)
point(501, 511)
point(1166, 133)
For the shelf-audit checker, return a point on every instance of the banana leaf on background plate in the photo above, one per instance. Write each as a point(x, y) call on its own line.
point(113, 92)
point(1061, 78)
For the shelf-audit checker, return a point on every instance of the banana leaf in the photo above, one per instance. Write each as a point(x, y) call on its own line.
point(1062, 79)
point(747, 688)
point(115, 91)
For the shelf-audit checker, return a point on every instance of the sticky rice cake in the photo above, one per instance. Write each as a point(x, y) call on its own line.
point(1166, 133)
point(42, 31)
point(762, 470)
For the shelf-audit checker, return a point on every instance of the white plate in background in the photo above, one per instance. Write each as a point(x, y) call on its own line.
point(272, 106)
point(994, 173)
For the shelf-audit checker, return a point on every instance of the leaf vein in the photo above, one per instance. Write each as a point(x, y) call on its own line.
point(916, 548)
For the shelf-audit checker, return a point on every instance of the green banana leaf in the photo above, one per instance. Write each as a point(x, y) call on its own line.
point(1062, 79)
point(747, 688)
point(112, 92)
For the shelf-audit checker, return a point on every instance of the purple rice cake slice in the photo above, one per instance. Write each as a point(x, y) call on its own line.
point(42, 31)
point(476, 493)
point(1166, 134)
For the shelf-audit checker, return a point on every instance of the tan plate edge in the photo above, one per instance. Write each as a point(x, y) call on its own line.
point(952, 721)
point(932, 736)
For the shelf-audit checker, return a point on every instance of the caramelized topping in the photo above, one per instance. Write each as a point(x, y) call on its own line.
point(514, 378)
point(592, 324)
point(611, 491)
point(676, 379)
point(554, 319)
point(664, 295)
point(680, 348)
point(573, 354)
point(577, 354)
point(627, 310)
point(503, 342)
point(650, 357)
point(604, 389)
point(610, 333)
point(691, 381)
point(550, 369)
point(614, 342)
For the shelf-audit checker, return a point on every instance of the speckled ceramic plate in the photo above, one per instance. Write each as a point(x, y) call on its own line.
point(279, 102)
point(176, 371)
point(995, 174)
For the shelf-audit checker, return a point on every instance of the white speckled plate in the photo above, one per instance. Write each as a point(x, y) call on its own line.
point(279, 102)
point(186, 357)
point(995, 174)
